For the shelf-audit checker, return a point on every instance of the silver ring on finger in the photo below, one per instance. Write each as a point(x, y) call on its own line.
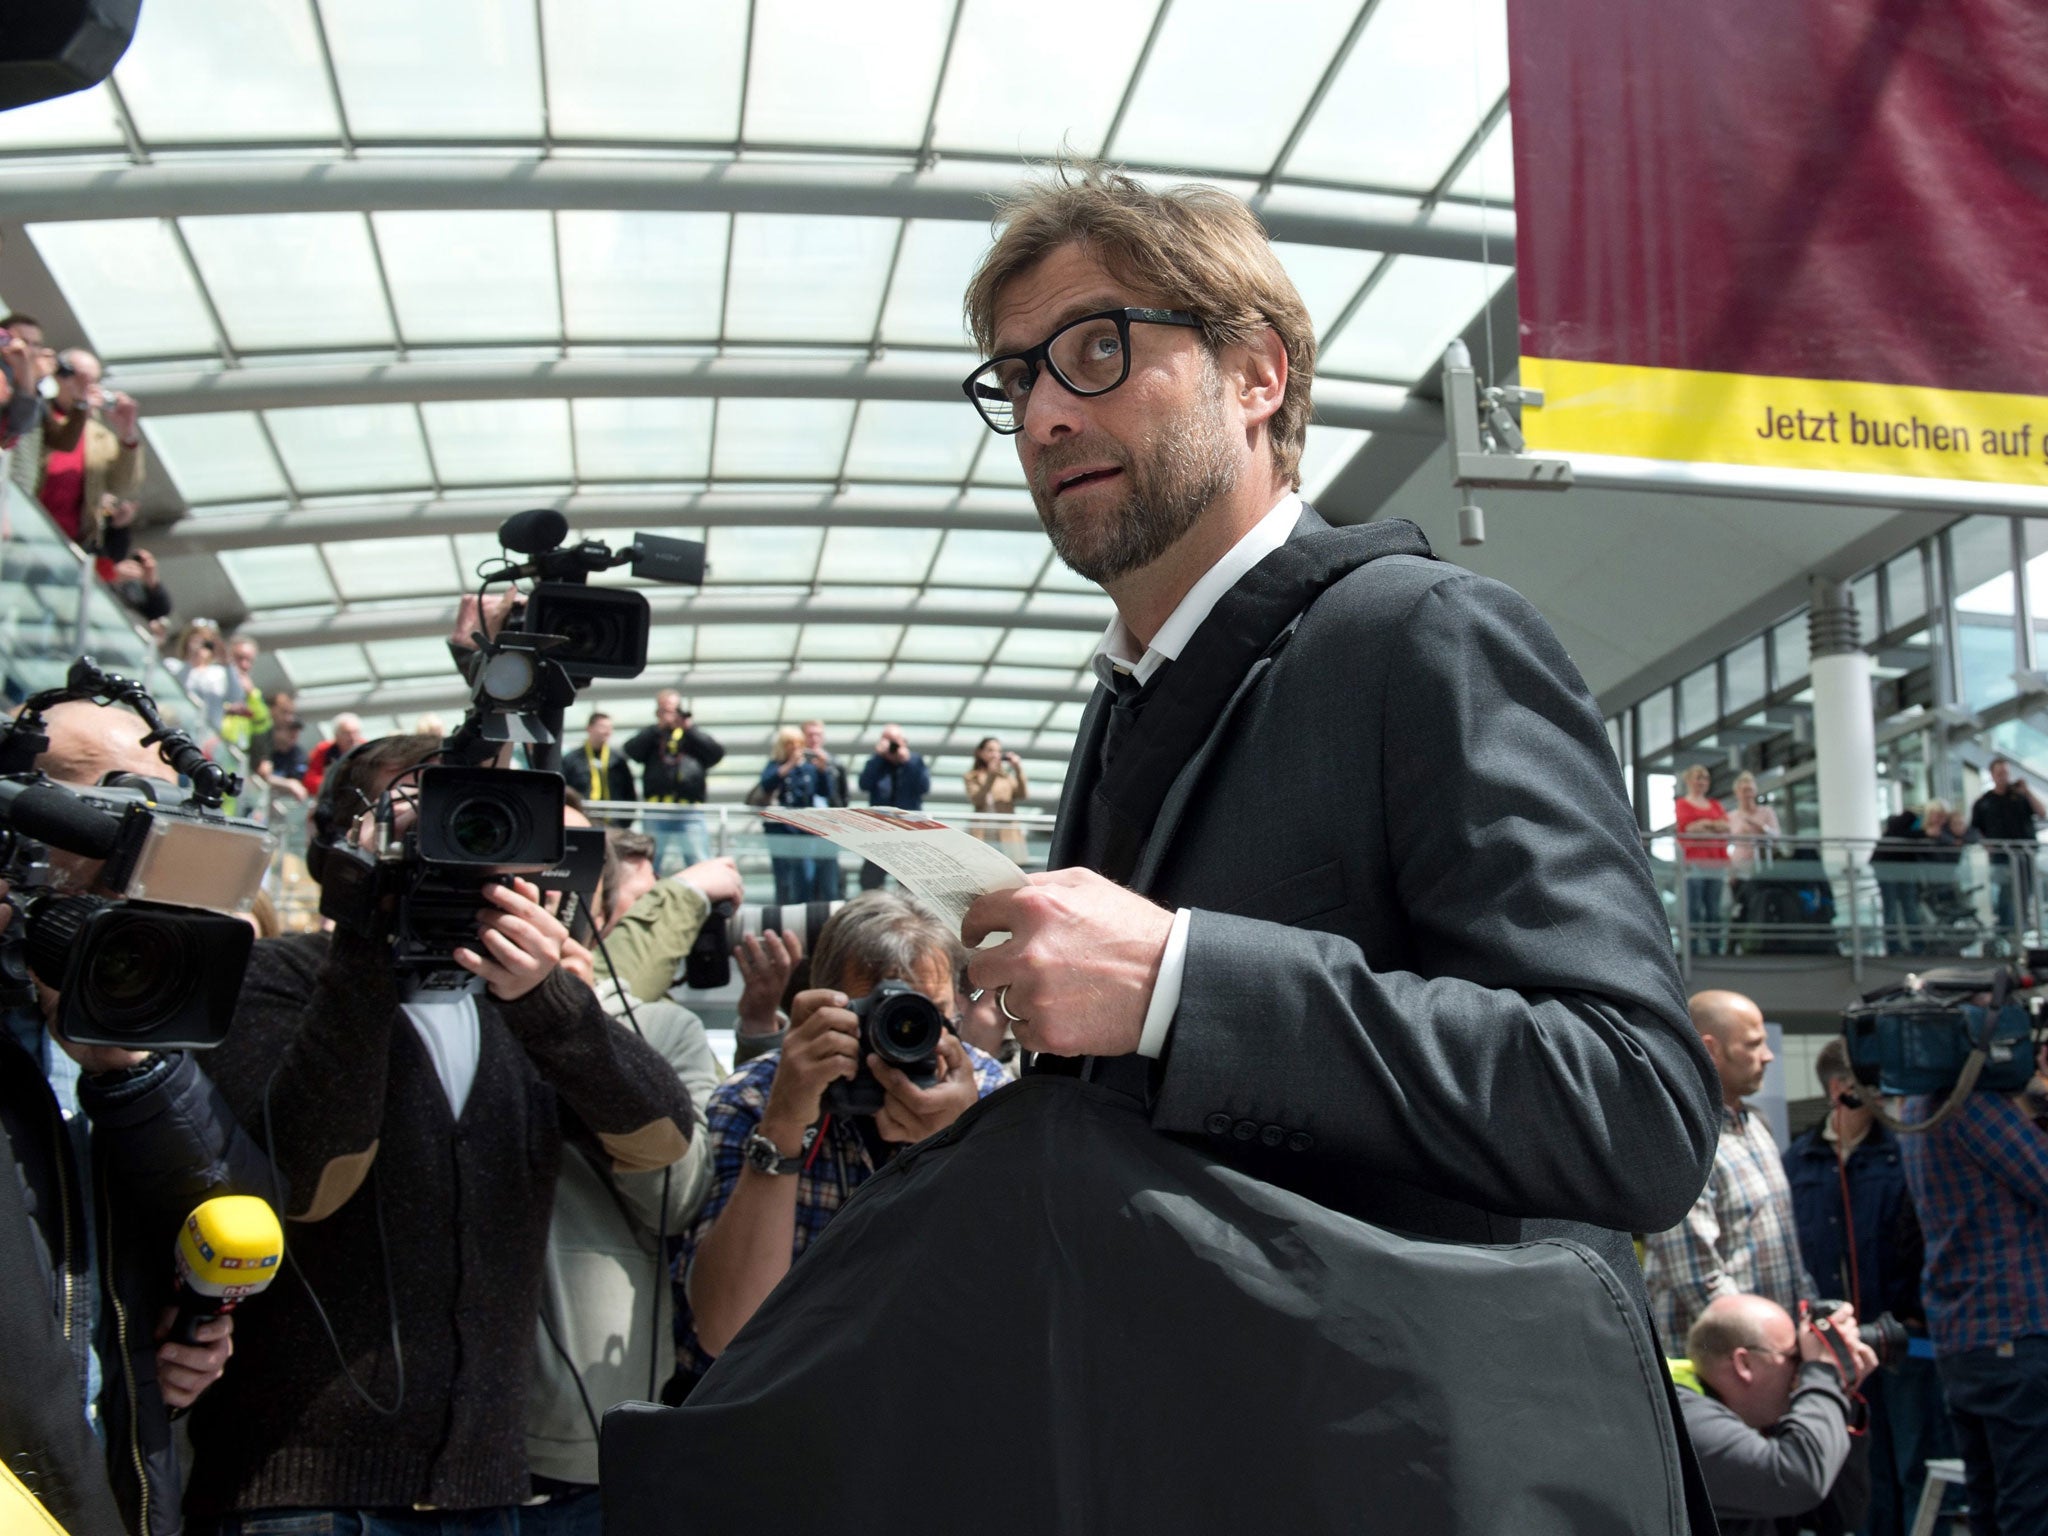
point(1003, 1004)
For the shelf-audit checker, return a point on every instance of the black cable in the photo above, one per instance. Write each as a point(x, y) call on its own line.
point(319, 1311)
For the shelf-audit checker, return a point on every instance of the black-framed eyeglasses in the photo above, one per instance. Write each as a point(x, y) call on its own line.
point(1090, 356)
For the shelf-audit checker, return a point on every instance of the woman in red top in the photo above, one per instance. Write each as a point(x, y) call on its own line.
point(1703, 857)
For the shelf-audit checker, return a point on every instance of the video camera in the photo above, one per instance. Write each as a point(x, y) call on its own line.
point(1949, 1031)
point(902, 1026)
point(709, 962)
point(477, 823)
point(147, 950)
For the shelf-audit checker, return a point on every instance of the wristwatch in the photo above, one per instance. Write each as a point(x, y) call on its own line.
point(763, 1156)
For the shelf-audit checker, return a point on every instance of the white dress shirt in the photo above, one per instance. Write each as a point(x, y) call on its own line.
point(1116, 654)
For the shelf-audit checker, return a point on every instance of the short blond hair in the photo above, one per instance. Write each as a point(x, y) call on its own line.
point(1198, 247)
point(788, 737)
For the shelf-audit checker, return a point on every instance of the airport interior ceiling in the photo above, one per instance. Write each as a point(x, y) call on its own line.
point(381, 274)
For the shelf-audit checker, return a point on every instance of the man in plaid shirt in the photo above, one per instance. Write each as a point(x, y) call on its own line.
point(1739, 1237)
point(1980, 1182)
point(781, 1166)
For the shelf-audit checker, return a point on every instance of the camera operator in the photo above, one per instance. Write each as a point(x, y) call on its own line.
point(674, 756)
point(420, 1142)
point(606, 1308)
point(1980, 1184)
point(781, 1164)
point(109, 1151)
point(1772, 1411)
point(895, 777)
point(658, 919)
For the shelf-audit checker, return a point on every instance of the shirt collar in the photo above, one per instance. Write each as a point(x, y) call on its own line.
point(1118, 650)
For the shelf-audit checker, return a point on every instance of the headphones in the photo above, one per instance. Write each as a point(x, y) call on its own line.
point(326, 812)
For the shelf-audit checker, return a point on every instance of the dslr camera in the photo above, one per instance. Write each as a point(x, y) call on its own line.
point(1884, 1334)
point(902, 1026)
point(147, 951)
point(474, 823)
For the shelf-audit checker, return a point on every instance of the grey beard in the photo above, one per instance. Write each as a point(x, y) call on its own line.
point(1172, 481)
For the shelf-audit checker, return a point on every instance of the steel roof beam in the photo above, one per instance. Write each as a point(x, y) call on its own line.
point(448, 697)
point(250, 183)
point(426, 620)
point(915, 376)
point(653, 511)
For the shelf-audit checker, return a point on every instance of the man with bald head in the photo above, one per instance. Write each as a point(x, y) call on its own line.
point(1739, 1236)
point(1770, 1411)
point(107, 1151)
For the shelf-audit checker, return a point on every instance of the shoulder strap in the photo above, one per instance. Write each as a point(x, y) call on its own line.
point(1251, 620)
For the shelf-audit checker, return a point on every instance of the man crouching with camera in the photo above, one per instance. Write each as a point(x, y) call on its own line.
point(384, 1386)
point(871, 1062)
point(1771, 1408)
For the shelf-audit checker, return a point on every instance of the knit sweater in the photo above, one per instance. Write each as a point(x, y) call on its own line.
point(400, 1210)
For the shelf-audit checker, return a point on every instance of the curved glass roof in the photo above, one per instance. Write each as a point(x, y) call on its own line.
point(382, 273)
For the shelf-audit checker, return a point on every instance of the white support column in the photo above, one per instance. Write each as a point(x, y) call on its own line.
point(1844, 727)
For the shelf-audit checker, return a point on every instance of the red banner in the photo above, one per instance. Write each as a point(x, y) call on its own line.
point(1799, 233)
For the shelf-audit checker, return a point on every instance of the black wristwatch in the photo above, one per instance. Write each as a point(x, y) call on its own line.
point(763, 1156)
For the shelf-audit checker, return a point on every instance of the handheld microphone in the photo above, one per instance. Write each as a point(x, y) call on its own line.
point(228, 1250)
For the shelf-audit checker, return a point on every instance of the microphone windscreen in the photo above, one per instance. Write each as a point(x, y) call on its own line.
point(535, 532)
point(51, 814)
point(229, 1247)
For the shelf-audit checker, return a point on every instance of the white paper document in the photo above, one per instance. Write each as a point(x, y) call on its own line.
point(941, 866)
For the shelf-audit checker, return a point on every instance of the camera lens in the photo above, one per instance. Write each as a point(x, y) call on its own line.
point(588, 636)
point(136, 971)
point(906, 1029)
point(484, 829)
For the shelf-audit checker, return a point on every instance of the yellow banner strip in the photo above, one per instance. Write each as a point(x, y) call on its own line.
point(1825, 424)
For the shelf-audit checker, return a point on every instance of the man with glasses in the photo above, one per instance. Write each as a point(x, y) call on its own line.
point(1770, 1412)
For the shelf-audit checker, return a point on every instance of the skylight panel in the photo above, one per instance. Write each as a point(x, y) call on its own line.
point(642, 439)
point(671, 645)
point(1326, 454)
point(949, 642)
point(409, 567)
point(319, 666)
point(198, 73)
point(128, 286)
point(291, 280)
point(1491, 173)
point(807, 277)
point(215, 457)
point(913, 709)
point(878, 554)
point(781, 439)
point(1064, 648)
point(746, 642)
point(277, 575)
point(1006, 714)
point(417, 657)
point(989, 558)
point(82, 119)
point(1059, 577)
point(679, 78)
point(738, 556)
point(1326, 277)
point(1402, 328)
point(456, 69)
point(499, 442)
point(848, 642)
point(1040, 88)
point(470, 276)
point(835, 74)
point(914, 440)
point(642, 277)
point(998, 464)
point(932, 272)
point(333, 448)
point(1416, 87)
point(1205, 54)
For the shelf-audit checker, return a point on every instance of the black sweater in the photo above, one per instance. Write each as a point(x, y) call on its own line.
point(363, 1134)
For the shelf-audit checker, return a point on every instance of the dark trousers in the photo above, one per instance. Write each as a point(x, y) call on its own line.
point(1908, 1428)
point(2012, 891)
point(1900, 895)
point(571, 1510)
point(1998, 1401)
point(365, 1522)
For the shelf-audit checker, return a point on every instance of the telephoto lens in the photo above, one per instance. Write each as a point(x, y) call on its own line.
point(902, 1026)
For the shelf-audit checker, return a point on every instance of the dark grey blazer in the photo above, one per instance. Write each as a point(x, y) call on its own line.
point(1429, 981)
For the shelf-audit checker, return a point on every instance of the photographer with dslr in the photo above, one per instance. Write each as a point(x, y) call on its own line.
point(794, 1133)
point(420, 1134)
point(1980, 1183)
point(1771, 1410)
point(109, 1151)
